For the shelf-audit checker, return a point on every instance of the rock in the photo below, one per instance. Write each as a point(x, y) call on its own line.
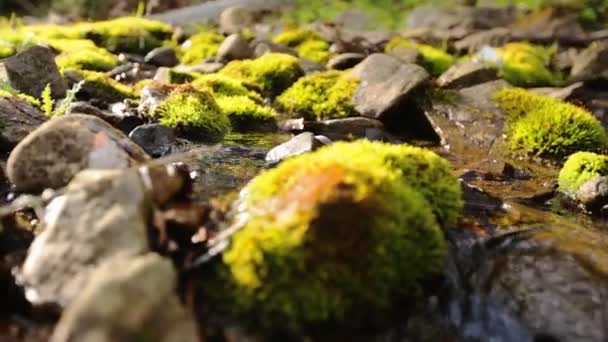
point(353, 19)
point(466, 74)
point(406, 55)
point(31, 70)
point(301, 143)
point(475, 41)
point(101, 215)
point(441, 18)
point(591, 63)
point(309, 66)
point(53, 153)
point(593, 194)
point(17, 119)
point(233, 19)
point(385, 84)
point(122, 120)
point(345, 60)
point(345, 129)
point(203, 68)
point(574, 91)
point(105, 311)
point(234, 47)
point(131, 72)
point(162, 56)
point(155, 139)
point(262, 47)
point(552, 24)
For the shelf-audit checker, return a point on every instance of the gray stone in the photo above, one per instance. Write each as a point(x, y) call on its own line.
point(53, 153)
point(593, 194)
point(353, 19)
point(233, 19)
point(591, 63)
point(234, 47)
point(345, 129)
point(17, 119)
point(475, 41)
point(345, 60)
point(405, 54)
point(121, 119)
point(467, 74)
point(309, 66)
point(155, 139)
point(162, 56)
point(203, 68)
point(301, 143)
point(128, 299)
point(262, 47)
point(385, 83)
point(102, 214)
point(31, 70)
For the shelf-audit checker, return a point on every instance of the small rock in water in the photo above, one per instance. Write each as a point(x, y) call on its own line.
point(155, 139)
point(17, 119)
point(32, 69)
point(104, 311)
point(301, 143)
point(162, 56)
point(53, 153)
point(593, 194)
point(345, 60)
point(234, 47)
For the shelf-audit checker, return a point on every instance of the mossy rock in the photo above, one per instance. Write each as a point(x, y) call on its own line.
point(200, 46)
point(320, 96)
point(340, 236)
point(271, 73)
point(579, 168)
point(82, 54)
point(435, 60)
point(99, 86)
point(526, 65)
point(546, 127)
point(308, 43)
point(223, 85)
point(247, 115)
point(129, 34)
point(194, 113)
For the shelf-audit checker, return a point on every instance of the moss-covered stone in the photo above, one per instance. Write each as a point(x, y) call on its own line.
point(223, 85)
point(201, 46)
point(579, 168)
point(435, 60)
point(82, 54)
point(128, 34)
point(339, 235)
point(99, 86)
point(27, 98)
point(526, 65)
point(247, 115)
point(295, 36)
point(271, 73)
point(547, 127)
point(308, 43)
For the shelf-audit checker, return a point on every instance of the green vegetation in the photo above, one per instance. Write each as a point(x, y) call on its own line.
point(546, 127)
point(435, 60)
point(338, 235)
point(200, 46)
point(320, 95)
point(247, 115)
point(82, 54)
point(526, 65)
point(579, 168)
point(99, 86)
point(223, 85)
point(128, 34)
point(308, 43)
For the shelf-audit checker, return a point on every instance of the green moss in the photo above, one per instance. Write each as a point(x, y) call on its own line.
point(223, 85)
point(99, 86)
point(180, 77)
point(82, 54)
point(547, 127)
point(579, 168)
point(201, 46)
point(247, 115)
point(6, 50)
point(128, 34)
point(194, 112)
point(435, 60)
point(308, 43)
point(271, 73)
point(296, 36)
point(526, 65)
point(321, 95)
point(339, 235)
point(315, 50)
point(27, 98)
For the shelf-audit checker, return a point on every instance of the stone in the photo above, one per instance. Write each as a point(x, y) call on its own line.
point(58, 149)
point(123, 120)
point(406, 55)
point(31, 70)
point(233, 19)
point(345, 129)
point(17, 119)
point(262, 47)
point(591, 63)
point(345, 60)
point(309, 66)
point(156, 139)
point(353, 19)
point(203, 68)
point(127, 299)
point(593, 194)
point(234, 47)
point(385, 84)
point(466, 74)
point(164, 56)
point(475, 41)
point(102, 214)
point(301, 143)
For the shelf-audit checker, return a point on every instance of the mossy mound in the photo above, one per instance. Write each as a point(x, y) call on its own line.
point(579, 168)
point(547, 127)
point(223, 85)
point(82, 54)
point(128, 34)
point(526, 65)
point(308, 43)
point(321, 95)
point(193, 112)
point(99, 86)
point(271, 73)
point(247, 115)
point(337, 236)
point(435, 60)
point(200, 46)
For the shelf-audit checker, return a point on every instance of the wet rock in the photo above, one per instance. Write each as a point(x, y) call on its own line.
point(301, 143)
point(101, 215)
point(131, 72)
point(345, 60)
point(466, 74)
point(476, 200)
point(593, 194)
point(155, 139)
point(345, 129)
point(162, 56)
point(309, 66)
point(105, 310)
point(234, 47)
point(475, 41)
point(31, 70)
point(385, 84)
point(591, 63)
point(203, 68)
point(261, 47)
point(233, 19)
point(58, 149)
point(119, 119)
point(17, 119)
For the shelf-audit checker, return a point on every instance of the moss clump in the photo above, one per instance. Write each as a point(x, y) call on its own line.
point(339, 235)
point(200, 46)
point(82, 54)
point(547, 127)
point(321, 95)
point(306, 42)
point(27, 98)
point(128, 34)
point(579, 168)
point(247, 115)
point(194, 112)
point(315, 50)
point(435, 60)
point(271, 73)
point(99, 86)
point(526, 65)
point(223, 85)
